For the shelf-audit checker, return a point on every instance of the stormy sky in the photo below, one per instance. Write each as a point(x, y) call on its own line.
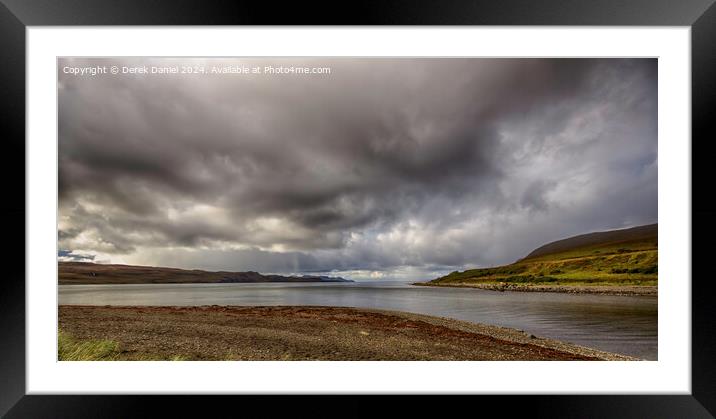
point(401, 168)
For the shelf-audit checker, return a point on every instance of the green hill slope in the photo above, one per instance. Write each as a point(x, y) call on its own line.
point(618, 257)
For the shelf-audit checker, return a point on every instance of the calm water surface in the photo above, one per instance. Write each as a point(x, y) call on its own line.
point(626, 325)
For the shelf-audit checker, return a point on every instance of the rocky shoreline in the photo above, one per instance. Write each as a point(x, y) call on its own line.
point(626, 290)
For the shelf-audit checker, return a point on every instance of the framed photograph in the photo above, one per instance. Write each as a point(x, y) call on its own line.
point(482, 200)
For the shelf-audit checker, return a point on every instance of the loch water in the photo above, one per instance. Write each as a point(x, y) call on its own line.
point(621, 324)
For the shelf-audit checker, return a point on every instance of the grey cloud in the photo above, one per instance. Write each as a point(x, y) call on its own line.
point(382, 164)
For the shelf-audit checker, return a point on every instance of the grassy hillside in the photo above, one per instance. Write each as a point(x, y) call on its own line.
point(645, 234)
point(619, 257)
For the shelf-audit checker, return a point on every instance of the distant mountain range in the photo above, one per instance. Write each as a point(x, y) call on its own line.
point(95, 273)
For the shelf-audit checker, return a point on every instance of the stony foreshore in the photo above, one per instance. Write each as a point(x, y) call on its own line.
point(570, 289)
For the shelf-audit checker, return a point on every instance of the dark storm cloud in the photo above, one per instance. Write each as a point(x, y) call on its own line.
point(383, 163)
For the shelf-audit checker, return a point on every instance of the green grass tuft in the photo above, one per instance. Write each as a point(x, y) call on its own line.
point(70, 349)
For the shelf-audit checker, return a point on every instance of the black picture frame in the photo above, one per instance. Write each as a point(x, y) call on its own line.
point(16, 15)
